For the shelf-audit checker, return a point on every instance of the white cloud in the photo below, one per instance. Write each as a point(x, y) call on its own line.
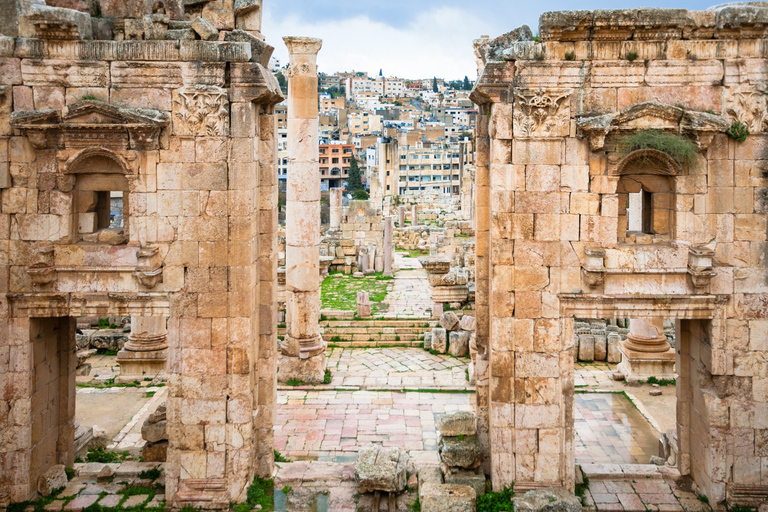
point(437, 42)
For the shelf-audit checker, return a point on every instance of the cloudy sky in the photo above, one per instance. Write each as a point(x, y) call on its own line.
point(413, 38)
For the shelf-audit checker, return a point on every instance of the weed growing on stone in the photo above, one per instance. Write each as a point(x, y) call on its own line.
point(738, 131)
point(415, 506)
point(105, 457)
point(496, 501)
point(662, 382)
point(150, 474)
point(632, 56)
point(702, 498)
point(260, 496)
point(287, 489)
point(279, 457)
point(570, 55)
point(327, 377)
point(680, 149)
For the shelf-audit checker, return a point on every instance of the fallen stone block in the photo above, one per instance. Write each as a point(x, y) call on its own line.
point(52, 479)
point(549, 499)
point(447, 498)
point(380, 469)
point(462, 423)
point(439, 340)
point(467, 323)
point(466, 477)
point(449, 321)
point(459, 452)
point(205, 29)
point(155, 452)
point(458, 343)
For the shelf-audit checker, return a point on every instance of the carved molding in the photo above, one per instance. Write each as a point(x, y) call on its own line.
point(90, 123)
point(541, 113)
point(749, 105)
point(201, 111)
point(662, 163)
point(702, 126)
point(149, 270)
point(42, 270)
point(700, 267)
point(593, 271)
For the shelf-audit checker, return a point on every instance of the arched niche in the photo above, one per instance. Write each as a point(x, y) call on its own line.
point(646, 196)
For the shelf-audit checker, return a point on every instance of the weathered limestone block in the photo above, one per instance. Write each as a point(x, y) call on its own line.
point(429, 475)
point(439, 340)
point(586, 347)
point(447, 498)
point(475, 480)
point(428, 340)
point(154, 428)
point(205, 29)
point(462, 423)
point(601, 349)
point(613, 354)
point(467, 323)
point(550, 499)
point(381, 469)
point(460, 452)
point(51, 480)
point(155, 452)
point(449, 321)
point(458, 343)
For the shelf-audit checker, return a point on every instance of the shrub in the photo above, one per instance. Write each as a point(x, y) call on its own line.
point(570, 55)
point(632, 56)
point(150, 474)
point(279, 457)
point(360, 195)
point(327, 377)
point(495, 501)
point(738, 131)
point(681, 150)
point(101, 455)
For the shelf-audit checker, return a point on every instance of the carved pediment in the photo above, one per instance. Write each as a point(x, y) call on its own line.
point(91, 123)
point(653, 115)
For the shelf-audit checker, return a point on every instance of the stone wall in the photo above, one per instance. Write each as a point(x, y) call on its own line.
point(549, 190)
point(184, 128)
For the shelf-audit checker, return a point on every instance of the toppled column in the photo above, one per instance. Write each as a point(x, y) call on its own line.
point(388, 246)
point(336, 208)
point(146, 351)
point(302, 353)
point(646, 351)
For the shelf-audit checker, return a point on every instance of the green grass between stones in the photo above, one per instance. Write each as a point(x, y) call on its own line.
point(341, 292)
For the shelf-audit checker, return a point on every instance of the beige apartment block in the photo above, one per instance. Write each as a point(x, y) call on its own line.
point(554, 184)
point(182, 130)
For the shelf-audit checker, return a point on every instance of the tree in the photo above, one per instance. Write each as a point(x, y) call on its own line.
point(434, 84)
point(354, 182)
point(467, 84)
point(282, 81)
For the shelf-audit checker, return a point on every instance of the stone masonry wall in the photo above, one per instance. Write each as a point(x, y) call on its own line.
point(186, 126)
point(548, 243)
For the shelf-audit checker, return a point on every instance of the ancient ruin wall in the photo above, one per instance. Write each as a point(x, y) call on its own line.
point(551, 190)
point(184, 129)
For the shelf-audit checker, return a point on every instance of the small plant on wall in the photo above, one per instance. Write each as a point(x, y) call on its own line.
point(738, 131)
point(680, 149)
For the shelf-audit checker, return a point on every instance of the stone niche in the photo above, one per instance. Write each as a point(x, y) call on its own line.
point(138, 179)
point(570, 226)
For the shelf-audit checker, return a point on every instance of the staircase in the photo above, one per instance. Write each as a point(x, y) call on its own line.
point(376, 333)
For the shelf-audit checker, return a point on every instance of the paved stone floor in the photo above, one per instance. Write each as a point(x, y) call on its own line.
point(411, 295)
point(609, 429)
point(332, 425)
point(396, 368)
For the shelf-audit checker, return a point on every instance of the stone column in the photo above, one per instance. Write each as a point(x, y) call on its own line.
point(646, 352)
point(146, 351)
point(401, 216)
point(336, 208)
point(388, 245)
point(303, 350)
point(414, 216)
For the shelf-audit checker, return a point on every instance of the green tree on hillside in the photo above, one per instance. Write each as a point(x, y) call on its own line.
point(467, 84)
point(354, 182)
point(434, 84)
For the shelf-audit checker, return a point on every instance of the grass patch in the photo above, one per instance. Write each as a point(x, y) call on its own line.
point(287, 489)
point(415, 506)
point(702, 498)
point(415, 253)
point(496, 501)
point(279, 457)
point(570, 55)
point(150, 474)
point(106, 352)
point(149, 394)
point(105, 457)
point(681, 150)
point(340, 292)
point(632, 56)
point(662, 382)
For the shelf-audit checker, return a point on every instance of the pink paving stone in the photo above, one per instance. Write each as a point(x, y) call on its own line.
point(134, 501)
point(55, 506)
point(603, 498)
point(81, 502)
point(631, 502)
point(609, 507)
point(111, 500)
point(658, 499)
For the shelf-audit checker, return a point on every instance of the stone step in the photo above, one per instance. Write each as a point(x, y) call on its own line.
point(375, 330)
point(378, 323)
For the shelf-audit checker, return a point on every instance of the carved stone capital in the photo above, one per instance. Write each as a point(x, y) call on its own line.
point(303, 45)
point(593, 271)
point(541, 113)
point(149, 270)
point(700, 268)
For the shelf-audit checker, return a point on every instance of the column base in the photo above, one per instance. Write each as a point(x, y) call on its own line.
point(140, 365)
point(637, 366)
point(310, 370)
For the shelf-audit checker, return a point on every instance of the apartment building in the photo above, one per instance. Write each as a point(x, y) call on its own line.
point(363, 123)
point(335, 160)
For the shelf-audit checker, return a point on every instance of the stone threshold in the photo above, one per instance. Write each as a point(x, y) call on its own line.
point(379, 389)
point(621, 472)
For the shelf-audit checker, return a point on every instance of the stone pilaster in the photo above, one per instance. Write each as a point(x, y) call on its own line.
point(646, 352)
point(145, 353)
point(303, 350)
